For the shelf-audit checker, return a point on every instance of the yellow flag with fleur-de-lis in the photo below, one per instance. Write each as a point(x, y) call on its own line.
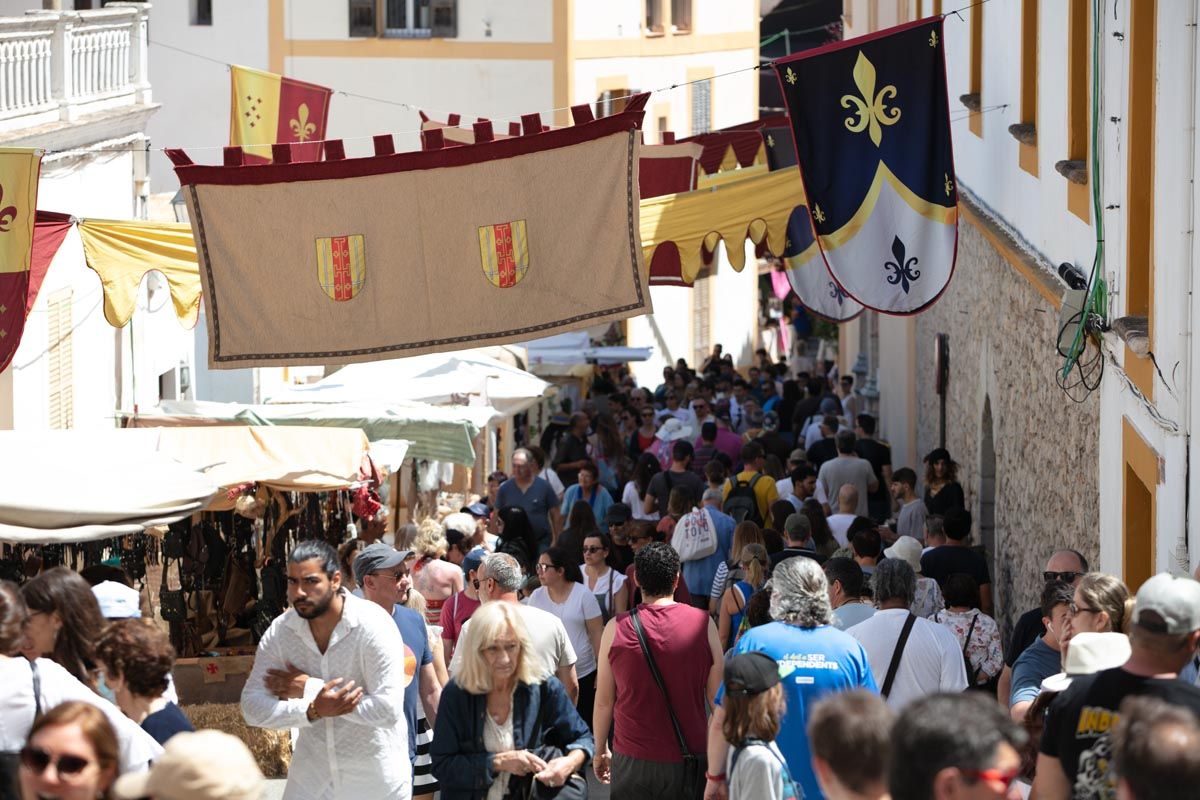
point(268, 109)
point(19, 167)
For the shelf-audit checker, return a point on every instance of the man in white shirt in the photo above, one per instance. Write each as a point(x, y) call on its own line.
point(839, 523)
point(498, 580)
point(930, 661)
point(333, 666)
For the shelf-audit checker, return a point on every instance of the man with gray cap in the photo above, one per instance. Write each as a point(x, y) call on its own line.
point(1077, 749)
point(699, 573)
point(499, 579)
point(815, 660)
point(383, 574)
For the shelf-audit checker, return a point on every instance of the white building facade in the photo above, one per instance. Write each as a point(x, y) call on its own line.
point(76, 84)
point(478, 58)
point(1112, 474)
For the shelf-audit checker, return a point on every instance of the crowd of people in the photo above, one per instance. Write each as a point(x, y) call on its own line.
point(717, 589)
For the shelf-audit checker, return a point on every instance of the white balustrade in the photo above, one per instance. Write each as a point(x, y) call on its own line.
point(60, 65)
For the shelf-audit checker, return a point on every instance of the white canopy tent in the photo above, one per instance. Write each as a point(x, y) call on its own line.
point(572, 353)
point(464, 378)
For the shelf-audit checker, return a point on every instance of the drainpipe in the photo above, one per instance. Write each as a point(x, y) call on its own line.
point(1191, 410)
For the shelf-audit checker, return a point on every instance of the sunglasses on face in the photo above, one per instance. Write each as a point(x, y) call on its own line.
point(639, 537)
point(544, 567)
point(1074, 609)
point(996, 777)
point(35, 759)
point(1066, 577)
point(593, 549)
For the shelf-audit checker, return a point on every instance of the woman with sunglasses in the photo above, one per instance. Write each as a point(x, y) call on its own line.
point(601, 579)
point(31, 686)
point(71, 755)
point(639, 535)
point(1101, 604)
point(563, 594)
point(64, 622)
point(642, 438)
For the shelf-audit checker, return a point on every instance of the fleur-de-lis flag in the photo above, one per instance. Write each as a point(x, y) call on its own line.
point(871, 126)
point(270, 109)
point(807, 274)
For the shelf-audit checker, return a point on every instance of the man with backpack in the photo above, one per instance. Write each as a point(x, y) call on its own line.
point(698, 572)
point(750, 493)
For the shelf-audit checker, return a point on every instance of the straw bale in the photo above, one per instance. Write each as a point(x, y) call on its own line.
point(272, 749)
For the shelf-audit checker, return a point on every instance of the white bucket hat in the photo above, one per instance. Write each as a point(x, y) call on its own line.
point(1088, 653)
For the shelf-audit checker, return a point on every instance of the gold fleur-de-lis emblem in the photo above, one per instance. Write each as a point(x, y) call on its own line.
point(948, 183)
point(871, 109)
point(818, 214)
point(791, 76)
point(7, 214)
point(770, 140)
point(302, 127)
point(933, 40)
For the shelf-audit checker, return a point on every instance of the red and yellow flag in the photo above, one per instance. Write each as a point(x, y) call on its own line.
point(270, 109)
point(19, 168)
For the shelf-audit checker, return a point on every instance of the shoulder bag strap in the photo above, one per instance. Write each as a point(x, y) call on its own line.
point(641, 636)
point(895, 665)
point(37, 690)
point(966, 644)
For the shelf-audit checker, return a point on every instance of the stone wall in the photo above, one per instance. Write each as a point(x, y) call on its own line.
point(1002, 335)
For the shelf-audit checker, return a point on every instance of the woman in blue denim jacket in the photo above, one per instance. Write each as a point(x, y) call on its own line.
point(499, 725)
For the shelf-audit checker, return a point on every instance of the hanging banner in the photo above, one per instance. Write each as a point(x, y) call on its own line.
point(19, 168)
point(268, 109)
point(399, 254)
point(872, 132)
point(809, 278)
point(121, 252)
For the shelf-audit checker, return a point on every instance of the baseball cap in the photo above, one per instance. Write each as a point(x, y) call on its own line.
point(1168, 604)
point(1087, 654)
point(797, 526)
point(459, 521)
point(748, 674)
point(377, 556)
point(473, 559)
point(117, 601)
point(797, 457)
point(617, 514)
point(204, 765)
point(477, 510)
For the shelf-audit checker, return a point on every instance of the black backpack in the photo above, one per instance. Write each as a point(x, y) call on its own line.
point(742, 503)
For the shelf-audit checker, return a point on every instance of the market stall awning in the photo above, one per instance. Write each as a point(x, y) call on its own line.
point(680, 232)
point(575, 348)
point(442, 378)
point(80, 485)
point(436, 433)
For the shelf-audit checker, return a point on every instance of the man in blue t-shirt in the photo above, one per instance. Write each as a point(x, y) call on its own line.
point(385, 579)
point(535, 495)
point(1043, 658)
point(698, 575)
point(815, 660)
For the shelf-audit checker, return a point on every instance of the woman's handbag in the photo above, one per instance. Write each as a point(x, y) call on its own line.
point(528, 787)
point(693, 769)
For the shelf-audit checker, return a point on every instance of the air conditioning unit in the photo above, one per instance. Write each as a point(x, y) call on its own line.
point(443, 16)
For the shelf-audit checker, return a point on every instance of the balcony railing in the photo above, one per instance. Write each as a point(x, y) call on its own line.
point(60, 65)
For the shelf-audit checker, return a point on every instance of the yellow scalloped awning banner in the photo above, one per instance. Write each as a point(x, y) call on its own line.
point(121, 252)
point(755, 207)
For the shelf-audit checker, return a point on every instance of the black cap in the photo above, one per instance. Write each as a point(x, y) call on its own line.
point(750, 673)
point(617, 514)
point(479, 510)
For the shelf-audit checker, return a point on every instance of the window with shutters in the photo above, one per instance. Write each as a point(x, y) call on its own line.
point(654, 16)
point(701, 106)
point(362, 18)
point(681, 15)
point(407, 19)
point(613, 101)
point(61, 410)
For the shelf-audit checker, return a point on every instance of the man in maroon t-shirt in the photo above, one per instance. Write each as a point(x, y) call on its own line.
point(646, 759)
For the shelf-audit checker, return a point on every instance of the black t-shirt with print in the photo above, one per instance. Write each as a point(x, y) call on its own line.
point(1079, 725)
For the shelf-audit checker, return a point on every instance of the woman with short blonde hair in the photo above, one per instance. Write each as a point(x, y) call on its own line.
point(435, 578)
point(489, 741)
